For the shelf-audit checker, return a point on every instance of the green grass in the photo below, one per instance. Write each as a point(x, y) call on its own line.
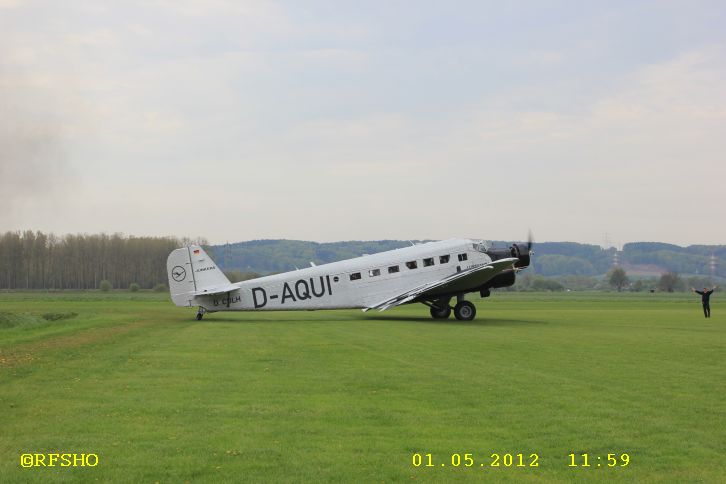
point(343, 396)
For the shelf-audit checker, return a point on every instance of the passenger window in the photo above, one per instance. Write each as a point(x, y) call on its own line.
point(393, 269)
point(428, 262)
point(411, 264)
point(374, 272)
point(355, 276)
point(462, 257)
point(443, 259)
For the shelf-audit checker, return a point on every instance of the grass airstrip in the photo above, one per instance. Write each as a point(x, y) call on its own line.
point(343, 396)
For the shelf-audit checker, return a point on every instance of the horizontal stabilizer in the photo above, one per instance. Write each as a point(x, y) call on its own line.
point(217, 290)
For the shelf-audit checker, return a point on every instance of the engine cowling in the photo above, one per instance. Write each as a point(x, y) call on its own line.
point(519, 251)
point(504, 279)
point(522, 253)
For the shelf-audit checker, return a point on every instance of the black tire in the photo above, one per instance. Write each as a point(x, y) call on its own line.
point(438, 313)
point(199, 316)
point(465, 311)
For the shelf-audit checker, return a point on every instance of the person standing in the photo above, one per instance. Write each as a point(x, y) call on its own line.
point(705, 296)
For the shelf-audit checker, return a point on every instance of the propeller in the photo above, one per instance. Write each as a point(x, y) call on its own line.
point(524, 253)
point(530, 242)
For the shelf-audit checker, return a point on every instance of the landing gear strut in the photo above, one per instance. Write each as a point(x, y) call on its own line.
point(440, 313)
point(439, 309)
point(200, 313)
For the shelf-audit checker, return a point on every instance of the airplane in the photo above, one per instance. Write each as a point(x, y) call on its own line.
point(431, 273)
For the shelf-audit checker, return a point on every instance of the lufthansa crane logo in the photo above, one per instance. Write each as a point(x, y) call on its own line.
point(178, 273)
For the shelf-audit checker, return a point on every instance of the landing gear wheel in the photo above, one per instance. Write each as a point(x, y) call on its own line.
point(199, 316)
point(439, 313)
point(200, 313)
point(464, 311)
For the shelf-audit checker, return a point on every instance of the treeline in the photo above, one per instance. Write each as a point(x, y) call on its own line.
point(694, 259)
point(271, 256)
point(35, 260)
point(560, 259)
point(666, 282)
point(550, 259)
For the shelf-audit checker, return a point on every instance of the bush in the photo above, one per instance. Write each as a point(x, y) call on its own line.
point(578, 283)
point(105, 285)
point(538, 283)
point(541, 284)
point(160, 288)
point(671, 281)
point(133, 287)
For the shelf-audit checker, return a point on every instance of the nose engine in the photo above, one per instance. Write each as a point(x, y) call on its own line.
point(523, 254)
point(520, 251)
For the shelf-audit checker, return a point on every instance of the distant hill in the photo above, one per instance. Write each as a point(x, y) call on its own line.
point(551, 258)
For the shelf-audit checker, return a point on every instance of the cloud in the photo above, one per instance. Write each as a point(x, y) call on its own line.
point(318, 124)
point(640, 162)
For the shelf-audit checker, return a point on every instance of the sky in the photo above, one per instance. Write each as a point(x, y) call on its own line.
point(595, 122)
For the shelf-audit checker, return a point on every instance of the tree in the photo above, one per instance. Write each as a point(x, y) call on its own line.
point(105, 285)
point(133, 287)
point(638, 285)
point(34, 260)
point(618, 278)
point(670, 281)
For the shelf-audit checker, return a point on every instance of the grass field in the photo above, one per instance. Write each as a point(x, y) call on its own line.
point(344, 396)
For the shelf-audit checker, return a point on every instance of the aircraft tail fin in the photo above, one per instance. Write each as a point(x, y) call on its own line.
point(191, 272)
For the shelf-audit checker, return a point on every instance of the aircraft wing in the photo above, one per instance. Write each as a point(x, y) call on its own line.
point(473, 276)
point(217, 290)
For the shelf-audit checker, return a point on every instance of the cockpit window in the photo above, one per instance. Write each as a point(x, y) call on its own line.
point(481, 246)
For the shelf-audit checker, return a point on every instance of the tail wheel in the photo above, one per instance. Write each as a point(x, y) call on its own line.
point(440, 313)
point(464, 311)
